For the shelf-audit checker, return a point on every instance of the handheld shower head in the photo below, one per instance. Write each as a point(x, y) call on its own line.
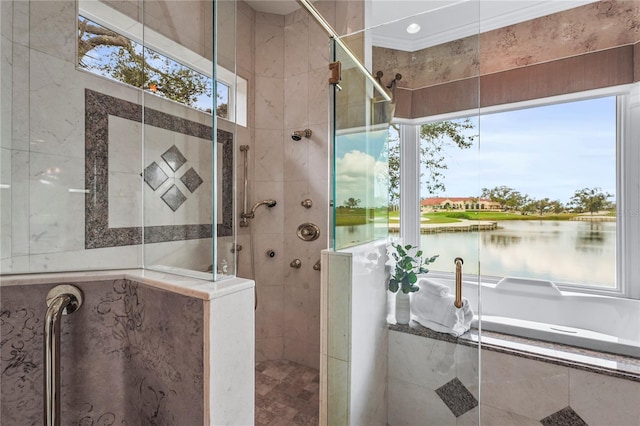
point(269, 203)
point(299, 134)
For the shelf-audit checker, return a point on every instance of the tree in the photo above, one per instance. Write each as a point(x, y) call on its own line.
point(138, 66)
point(590, 200)
point(435, 138)
point(499, 194)
point(352, 203)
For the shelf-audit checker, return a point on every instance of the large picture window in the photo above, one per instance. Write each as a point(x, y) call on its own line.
point(533, 192)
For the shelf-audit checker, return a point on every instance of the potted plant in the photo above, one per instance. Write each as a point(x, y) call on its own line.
point(408, 263)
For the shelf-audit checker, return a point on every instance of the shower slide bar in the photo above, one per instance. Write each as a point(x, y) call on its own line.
point(61, 300)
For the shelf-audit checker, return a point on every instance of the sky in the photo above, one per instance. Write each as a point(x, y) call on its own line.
point(549, 151)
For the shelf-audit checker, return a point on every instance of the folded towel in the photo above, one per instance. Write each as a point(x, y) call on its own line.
point(433, 287)
point(438, 313)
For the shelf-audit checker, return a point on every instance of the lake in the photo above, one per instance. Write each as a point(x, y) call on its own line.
point(560, 251)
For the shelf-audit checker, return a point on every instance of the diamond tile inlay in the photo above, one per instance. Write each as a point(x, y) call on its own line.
point(457, 397)
point(174, 158)
point(191, 179)
point(564, 417)
point(154, 176)
point(174, 198)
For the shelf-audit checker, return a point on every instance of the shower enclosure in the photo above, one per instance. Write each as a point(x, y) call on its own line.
point(114, 165)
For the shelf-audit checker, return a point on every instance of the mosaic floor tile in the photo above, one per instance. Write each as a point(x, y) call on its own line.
point(154, 176)
point(457, 397)
point(564, 417)
point(174, 158)
point(191, 179)
point(286, 394)
point(174, 198)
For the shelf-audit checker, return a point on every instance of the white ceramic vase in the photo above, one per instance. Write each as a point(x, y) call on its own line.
point(403, 307)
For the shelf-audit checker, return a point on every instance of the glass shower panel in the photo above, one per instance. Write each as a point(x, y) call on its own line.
point(360, 158)
point(177, 83)
point(433, 77)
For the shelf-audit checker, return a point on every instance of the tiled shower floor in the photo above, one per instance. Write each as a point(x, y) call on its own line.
point(286, 394)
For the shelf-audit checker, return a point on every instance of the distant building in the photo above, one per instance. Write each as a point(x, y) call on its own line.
point(457, 203)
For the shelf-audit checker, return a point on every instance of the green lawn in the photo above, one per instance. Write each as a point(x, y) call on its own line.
point(358, 216)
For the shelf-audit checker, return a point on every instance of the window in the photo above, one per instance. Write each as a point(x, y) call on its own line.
point(544, 184)
point(162, 66)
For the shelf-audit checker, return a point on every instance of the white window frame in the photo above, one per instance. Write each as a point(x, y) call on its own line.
point(627, 179)
point(108, 17)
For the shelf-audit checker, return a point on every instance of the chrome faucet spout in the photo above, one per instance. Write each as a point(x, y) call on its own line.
point(458, 302)
point(252, 214)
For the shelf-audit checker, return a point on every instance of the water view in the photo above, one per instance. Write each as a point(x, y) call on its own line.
point(560, 251)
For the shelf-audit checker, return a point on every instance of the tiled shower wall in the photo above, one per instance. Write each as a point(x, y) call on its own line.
point(515, 390)
point(285, 59)
point(43, 149)
point(123, 359)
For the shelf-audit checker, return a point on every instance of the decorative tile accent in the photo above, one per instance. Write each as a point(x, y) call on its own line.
point(174, 197)
point(174, 158)
point(191, 179)
point(154, 176)
point(564, 417)
point(457, 397)
point(98, 108)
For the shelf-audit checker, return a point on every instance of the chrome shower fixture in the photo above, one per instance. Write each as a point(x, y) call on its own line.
point(269, 203)
point(299, 134)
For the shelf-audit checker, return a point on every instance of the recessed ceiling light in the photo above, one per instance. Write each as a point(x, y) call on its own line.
point(413, 28)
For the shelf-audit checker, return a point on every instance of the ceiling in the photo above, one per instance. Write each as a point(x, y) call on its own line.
point(440, 20)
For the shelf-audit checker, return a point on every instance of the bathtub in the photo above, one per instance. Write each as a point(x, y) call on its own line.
point(539, 310)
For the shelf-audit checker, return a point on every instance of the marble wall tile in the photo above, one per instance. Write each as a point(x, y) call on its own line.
point(6, 91)
point(270, 269)
point(19, 122)
point(296, 101)
point(296, 350)
point(296, 46)
point(245, 25)
point(125, 200)
point(403, 348)
point(338, 395)
point(269, 103)
point(268, 159)
point(269, 45)
point(296, 157)
point(338, 288)
point(56, 113)
point(20, 22)
point(20, 187)
point(5, 203)
point(410, 405)
point(269, 315)
point(6, 20)
point(295, 213)
point(103, 258)
point(319, 92)
point(54, 17)
point(491, 416)
point(268, 348)
point(195, 255)
point(522, 386)
point(296, 307)
point(56, 215)
point(600, 399)
point(125, 145)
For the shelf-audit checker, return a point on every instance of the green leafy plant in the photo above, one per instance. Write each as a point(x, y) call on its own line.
point(409, 262)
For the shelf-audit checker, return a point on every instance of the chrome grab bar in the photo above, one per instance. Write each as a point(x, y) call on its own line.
point(61, 300)
point(458, 303)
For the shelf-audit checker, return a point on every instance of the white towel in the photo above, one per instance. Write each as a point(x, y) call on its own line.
point(438, 313)
point(433, 287)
